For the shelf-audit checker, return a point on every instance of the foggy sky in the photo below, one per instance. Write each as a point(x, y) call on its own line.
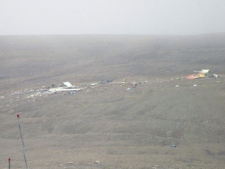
point(178, 17)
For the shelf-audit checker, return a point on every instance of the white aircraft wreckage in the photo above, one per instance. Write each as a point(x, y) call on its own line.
point(67, 86)
point(61, 89)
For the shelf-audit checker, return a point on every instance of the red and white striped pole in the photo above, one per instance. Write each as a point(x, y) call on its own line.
point(9, 162)
point(24, 154)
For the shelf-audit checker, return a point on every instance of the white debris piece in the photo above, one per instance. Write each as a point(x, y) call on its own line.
point(215, 75)
point(97, 162)
point(177, 86)
point(205, 71)
point(67, 84)
point(195, 85)
point(60, 89)
point(94, 84)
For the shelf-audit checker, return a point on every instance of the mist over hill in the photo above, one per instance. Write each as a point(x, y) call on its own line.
point(91, 57)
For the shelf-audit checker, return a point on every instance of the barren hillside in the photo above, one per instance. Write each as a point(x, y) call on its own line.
point(164, 121)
